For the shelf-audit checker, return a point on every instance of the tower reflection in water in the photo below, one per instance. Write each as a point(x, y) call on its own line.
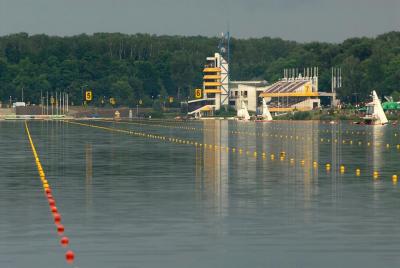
point(212, 165)
point(216, 167)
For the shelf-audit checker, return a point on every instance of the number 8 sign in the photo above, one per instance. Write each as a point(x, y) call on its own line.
point(198, 93)
point(88, 95)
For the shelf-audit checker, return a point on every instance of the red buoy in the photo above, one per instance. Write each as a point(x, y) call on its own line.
point(64, 241)
point(49, 196)
point(70, 256)
point(57, 217)
point(53, 209)
point(60, 229)
point(52, 202)
point(48, 191)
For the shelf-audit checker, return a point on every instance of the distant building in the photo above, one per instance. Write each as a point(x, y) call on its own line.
point(247, 91)
point(219, 92)
point(294, 92)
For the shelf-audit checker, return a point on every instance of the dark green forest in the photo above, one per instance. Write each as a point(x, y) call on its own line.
point(142, 66)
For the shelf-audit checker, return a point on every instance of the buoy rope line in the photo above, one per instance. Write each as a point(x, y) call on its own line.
point(270, 126)
point(248, 133)
point(181, 124)
point(275, 136)
point(64, 240)
point(282, 156)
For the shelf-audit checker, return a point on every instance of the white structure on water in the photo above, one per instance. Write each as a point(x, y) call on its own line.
point(375, 114)
point(266, 115)
point(242, 112)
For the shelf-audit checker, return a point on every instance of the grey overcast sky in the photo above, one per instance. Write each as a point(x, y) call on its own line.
point(300, 20)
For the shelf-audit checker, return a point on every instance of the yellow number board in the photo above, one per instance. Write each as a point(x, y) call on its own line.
point(307, 87)
point(88, 95)
point(198, 93)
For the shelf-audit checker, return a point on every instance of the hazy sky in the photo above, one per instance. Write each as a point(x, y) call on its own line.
point(300, 20)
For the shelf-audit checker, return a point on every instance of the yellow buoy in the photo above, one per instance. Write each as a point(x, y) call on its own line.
point(328, 166)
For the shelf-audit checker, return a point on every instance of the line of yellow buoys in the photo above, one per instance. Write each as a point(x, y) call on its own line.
point(233, 150)
point(260, 126)
point(275, 136)
point(64, 241)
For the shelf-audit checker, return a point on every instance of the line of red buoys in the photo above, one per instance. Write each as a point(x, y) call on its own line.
point(64, 241)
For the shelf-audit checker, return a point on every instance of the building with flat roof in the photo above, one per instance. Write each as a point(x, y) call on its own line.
point(294, 92)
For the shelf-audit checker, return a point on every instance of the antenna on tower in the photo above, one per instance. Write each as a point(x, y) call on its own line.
point(224, 46)
point(225, 57)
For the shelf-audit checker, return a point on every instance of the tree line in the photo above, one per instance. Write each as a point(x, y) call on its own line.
point(147, 67)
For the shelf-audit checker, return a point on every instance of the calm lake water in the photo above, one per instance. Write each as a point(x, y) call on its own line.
point(130, 201)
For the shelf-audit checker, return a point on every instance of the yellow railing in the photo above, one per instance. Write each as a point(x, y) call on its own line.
point(288, 109)
point(289, 94)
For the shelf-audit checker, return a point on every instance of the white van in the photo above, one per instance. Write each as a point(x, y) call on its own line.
point(19, 104)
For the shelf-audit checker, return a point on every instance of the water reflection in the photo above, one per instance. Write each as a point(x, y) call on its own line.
point(298, 168)
point(212, 165)
point(310, 149)
point(378, 143)
point(210, 208)
point(89, 173)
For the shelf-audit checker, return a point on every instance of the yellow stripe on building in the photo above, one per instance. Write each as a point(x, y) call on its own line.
point(212, 84)
point(212, 77)
point(208, 91)
point(212, 70)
